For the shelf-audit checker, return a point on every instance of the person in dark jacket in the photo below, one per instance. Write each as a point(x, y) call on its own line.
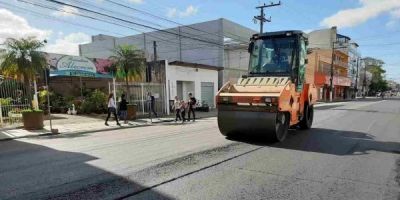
point(192, 106)
point(152, 102)
point(123, 109)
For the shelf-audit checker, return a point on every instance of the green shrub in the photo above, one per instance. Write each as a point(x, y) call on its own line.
point(31, 110)
point(95, 102)
point(57, 102)
point(5, 101)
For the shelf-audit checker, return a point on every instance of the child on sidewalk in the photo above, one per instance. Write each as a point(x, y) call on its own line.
point(183, 110)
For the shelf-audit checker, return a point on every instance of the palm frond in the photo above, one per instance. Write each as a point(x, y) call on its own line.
point(22, 58)
point(129, 62)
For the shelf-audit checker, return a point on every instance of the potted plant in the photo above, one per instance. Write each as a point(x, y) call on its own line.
point(33, 119)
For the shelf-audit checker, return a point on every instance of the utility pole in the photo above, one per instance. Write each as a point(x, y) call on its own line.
point(331, 79)
point(356, 85)
point(180, 44)
point(152, 64)
point(155, 50)
point(261, 17)
point(365, 81)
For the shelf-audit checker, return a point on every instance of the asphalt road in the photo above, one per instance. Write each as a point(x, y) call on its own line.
point(352, 152)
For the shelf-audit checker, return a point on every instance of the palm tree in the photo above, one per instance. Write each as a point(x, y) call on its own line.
point(129, 64)
point(22, 59)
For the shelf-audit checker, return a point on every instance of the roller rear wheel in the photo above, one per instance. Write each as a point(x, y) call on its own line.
point(307, 120)
point(282, 123)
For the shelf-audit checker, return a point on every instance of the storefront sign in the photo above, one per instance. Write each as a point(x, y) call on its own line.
point(338, 80)
point(75, 63)
point(64, 65)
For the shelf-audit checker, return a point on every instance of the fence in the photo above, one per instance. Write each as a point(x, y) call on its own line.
point(138, 95)
point(14, 98)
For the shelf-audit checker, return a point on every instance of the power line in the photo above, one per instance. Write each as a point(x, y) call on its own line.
point(168, 20)
point(127, 21)
point(101, 20)
point(56, 19)
point(77, 14)
point(109, 11)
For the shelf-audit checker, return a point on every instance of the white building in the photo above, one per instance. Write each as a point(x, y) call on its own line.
point(183, 78)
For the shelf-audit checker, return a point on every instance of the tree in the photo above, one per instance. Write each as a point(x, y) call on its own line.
point(128, 63)
point(22, 59)
point(378, 83)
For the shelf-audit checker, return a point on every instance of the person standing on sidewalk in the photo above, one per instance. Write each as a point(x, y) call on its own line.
point(183, 110)
point(123, 108)
point(192, 106)
point(177, 107)
point(112, 109)
point(152, 102)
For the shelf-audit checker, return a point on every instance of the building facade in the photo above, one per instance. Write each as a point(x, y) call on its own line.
point(220, 42)
point(320, 62)
point(330, 47)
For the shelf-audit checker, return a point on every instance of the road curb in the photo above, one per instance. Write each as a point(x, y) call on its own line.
point(48, 133)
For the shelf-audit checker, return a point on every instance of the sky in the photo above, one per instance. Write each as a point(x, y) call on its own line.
point(373, 24)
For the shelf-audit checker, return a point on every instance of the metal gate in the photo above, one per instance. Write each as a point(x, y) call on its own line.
point(207, 93)
point(138, 95)
point(14, 98)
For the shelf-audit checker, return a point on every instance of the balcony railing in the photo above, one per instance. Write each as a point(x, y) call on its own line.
point(341, 64)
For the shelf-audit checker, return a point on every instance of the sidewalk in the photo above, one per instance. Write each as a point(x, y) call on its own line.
point(74, 124)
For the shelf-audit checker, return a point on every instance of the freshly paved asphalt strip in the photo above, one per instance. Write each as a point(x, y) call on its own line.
point(352, 152)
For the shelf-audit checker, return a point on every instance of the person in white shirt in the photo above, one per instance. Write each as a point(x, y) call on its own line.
point(112, 108)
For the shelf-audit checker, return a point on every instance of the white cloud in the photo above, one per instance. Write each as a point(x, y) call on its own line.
point(355, 16)
point(391, 24)
point(137, 1)
point(69, 44)
point(189, 11)
point(66, 11)
point(395, 13)
point(394, 21)
point(14, 26)
point(172, 12)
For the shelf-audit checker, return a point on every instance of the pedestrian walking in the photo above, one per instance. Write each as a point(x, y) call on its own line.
point(177, 108)
point(152, 101)
point(192, 106)
point(183, 110)
point(112, 109)
point(123, 109)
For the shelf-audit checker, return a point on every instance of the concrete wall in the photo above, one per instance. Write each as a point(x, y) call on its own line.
point(322, 38)
point(236, 62)
point(101, 47)
point(236, 57)
point(192, 78)
point(200, 43)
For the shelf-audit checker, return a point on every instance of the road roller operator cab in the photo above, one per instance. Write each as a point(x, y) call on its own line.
point(279, 54)
point(273, 95)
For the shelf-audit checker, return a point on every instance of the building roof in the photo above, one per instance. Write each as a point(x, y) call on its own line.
point(343, 36)
point(196, 65)
point(277, 33)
